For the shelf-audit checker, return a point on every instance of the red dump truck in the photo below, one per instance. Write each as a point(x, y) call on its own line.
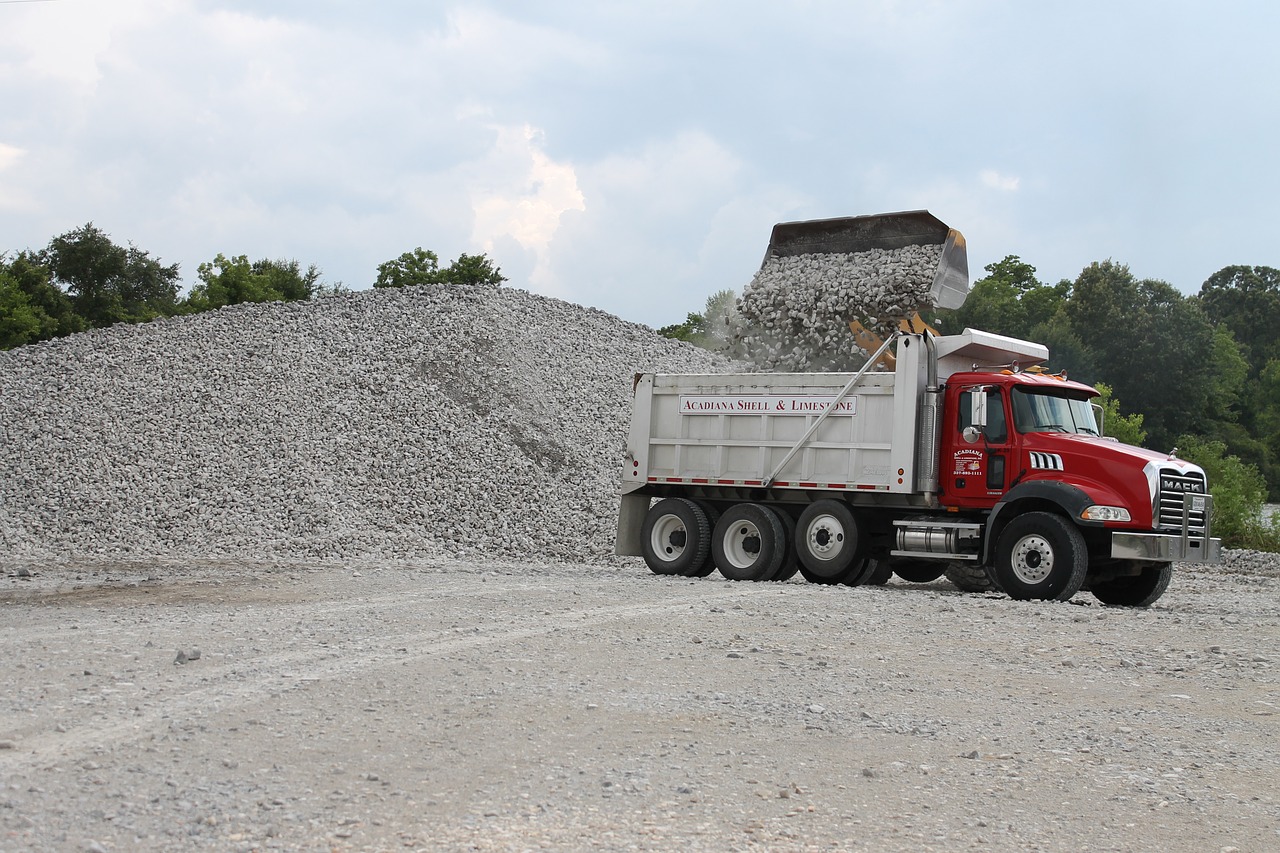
point(966, 457)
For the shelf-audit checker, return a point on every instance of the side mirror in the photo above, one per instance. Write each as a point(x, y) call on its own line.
point(1098, 415)
point(970, 434)
point(978, 414)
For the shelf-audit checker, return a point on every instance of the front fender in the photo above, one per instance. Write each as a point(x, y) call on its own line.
point(1071, 499)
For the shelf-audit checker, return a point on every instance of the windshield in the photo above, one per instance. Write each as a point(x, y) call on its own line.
point(1035, 411)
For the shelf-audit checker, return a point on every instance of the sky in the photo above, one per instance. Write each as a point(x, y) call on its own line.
point(634, 157)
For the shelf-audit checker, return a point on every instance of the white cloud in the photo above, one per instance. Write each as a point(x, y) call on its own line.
point(523, 195)
point(68, 42)
point(995, 180)
point(11, 198)
point(664, 226)
point(9, 156)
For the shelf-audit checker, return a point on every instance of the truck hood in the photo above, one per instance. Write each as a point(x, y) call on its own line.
point(1111, 473)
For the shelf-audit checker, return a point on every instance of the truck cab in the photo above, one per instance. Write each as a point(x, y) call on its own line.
point(1015, 442)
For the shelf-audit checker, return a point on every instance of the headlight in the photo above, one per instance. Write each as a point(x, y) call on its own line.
point(1105, 513)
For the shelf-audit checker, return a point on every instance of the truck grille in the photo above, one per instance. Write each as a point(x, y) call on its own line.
point(1178, 490)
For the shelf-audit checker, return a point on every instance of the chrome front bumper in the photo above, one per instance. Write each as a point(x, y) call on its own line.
point(1165, 548)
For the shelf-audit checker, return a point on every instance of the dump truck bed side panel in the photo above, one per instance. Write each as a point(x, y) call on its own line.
point(736, 430)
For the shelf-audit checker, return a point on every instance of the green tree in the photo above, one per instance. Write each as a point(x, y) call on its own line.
point(1151, 344)
point(1228, 374)
point(1067, 353)
point(1238, 494)
point(991, 306)
point(1126, 429)
point(1266, 395)
point(287, 278)
point(20, 321)
point(1247, 301)
point(1009, 301)
point(229, 281)
point(473, 269)
point(691, 330)
point(422, 266)
point(323, 288)
point(108, 283)
point(32, 308)
point(713, 328)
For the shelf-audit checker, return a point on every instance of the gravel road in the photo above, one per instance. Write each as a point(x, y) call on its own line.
point(510, 706)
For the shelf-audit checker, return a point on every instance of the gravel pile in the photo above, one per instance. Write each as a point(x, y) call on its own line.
point(1242, 562)
point(794, 315)
point(451, 421)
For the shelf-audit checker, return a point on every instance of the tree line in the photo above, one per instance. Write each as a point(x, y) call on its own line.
point(83, 280)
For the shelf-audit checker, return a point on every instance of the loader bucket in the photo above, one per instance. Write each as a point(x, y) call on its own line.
point(881, 231)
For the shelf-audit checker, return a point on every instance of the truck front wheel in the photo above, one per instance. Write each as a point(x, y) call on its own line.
point(749, 543)
point(1041, 555)
point(676, 537)
point(1139, 590)
point(829, 542)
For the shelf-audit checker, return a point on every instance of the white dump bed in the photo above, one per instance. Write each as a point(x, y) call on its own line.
point(738, 430)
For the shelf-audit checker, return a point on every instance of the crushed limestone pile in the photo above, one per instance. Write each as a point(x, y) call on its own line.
point(794, 315)
point(435, 421)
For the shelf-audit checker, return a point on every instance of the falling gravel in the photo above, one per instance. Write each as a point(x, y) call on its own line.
point(428, 421)
point(794, 315)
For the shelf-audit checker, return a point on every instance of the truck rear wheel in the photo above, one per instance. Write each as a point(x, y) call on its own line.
point(879, 573)
point(749, 543)
point(969, 577)
point(1139, 590)
point(790, 565)
point(708, 565)
point(1041, 555)
point(829, 542)
point(676, 537)
point(862, 573)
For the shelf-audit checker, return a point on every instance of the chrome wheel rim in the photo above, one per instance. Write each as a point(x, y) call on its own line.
point(1032, 559)
point(824, 537)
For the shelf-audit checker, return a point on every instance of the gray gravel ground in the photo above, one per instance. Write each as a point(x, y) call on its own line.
point(511, 706)
point(275, 578)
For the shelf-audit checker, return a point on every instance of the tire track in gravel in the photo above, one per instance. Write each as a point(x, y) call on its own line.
point(283, 672)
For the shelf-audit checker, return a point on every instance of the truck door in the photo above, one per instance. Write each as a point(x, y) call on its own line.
point(977, 473)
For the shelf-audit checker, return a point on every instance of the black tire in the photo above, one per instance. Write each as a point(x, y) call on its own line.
point(918, 571)
point(749, 543)
point(1140, 590)
point(708, 565)
point(676, 537)
point(830, 542)
point(812, 578)
point(880, 573)
point(790, 566)
point(969, 577)
point(860, 574)
point(1041, 555)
